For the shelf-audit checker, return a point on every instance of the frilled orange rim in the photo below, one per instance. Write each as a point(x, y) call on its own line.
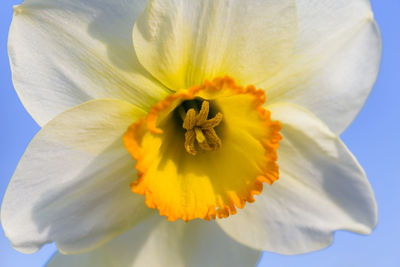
point(209, 184)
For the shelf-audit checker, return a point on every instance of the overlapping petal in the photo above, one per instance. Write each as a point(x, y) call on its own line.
point(334, 63)
point(185, 42)
point(72, 184)
point(157, 243)
point(322, 188)
point(66, 52)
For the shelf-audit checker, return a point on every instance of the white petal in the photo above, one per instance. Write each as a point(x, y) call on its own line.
point(157, 243)
point(322, 188)
point(72, 184)
point(66, 52)
point(335, 61)
point(184, 42)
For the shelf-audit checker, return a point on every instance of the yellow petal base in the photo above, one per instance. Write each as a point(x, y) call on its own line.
point(209, 184)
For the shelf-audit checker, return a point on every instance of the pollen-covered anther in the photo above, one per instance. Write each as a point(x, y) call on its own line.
point(201, 130)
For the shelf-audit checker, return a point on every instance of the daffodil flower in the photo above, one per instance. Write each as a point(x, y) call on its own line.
point(187, 132)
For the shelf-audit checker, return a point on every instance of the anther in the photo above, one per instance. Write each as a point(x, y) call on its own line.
point(200, 129)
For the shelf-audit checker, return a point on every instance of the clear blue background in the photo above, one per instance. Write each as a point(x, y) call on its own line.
point(373, 137)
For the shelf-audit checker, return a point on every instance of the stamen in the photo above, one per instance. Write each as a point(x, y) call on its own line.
point(199, 129)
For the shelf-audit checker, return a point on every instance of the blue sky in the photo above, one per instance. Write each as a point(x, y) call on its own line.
point(373, 138)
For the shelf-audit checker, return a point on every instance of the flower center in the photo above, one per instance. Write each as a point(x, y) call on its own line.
point(201, 129)
point(219, 117)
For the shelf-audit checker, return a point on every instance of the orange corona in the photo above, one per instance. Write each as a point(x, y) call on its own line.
point(205, 151)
